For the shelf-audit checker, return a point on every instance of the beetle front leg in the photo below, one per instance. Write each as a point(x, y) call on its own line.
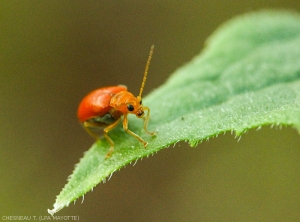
point(146, 120)
point(125, 126)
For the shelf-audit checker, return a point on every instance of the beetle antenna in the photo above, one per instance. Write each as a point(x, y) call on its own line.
point(146, 71)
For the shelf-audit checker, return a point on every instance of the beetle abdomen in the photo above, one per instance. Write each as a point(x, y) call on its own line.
point(107, 119)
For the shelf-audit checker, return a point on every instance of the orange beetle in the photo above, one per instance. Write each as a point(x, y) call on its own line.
point(104, 107)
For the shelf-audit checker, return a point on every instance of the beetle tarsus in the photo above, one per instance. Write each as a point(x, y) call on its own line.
point(109, 153)
point(151, 133)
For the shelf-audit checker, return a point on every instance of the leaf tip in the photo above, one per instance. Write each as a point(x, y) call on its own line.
point(56, 208)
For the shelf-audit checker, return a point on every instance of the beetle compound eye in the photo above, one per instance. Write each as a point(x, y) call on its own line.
point(130, 107)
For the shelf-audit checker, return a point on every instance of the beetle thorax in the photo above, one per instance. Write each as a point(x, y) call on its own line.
point(123, 99)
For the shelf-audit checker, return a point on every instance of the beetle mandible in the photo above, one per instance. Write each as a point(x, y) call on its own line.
point(105, 106)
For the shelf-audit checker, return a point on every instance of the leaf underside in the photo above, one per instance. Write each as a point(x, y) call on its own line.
point(248, 76)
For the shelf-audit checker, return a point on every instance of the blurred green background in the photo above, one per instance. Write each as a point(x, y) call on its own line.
point(52, 53)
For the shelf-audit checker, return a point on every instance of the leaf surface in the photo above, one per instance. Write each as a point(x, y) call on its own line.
point(247, 76)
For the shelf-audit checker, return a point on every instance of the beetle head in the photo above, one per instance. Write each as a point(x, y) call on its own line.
point(125, 102)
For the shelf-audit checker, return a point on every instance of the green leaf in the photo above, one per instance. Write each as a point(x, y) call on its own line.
point(247, 76)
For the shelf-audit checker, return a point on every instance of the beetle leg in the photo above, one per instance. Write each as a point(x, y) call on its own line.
point(106, 130)
point(146, 120)
point(125, 126)
point(88, 125)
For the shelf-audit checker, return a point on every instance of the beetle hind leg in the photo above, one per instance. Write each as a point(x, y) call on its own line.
point(88, 125)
